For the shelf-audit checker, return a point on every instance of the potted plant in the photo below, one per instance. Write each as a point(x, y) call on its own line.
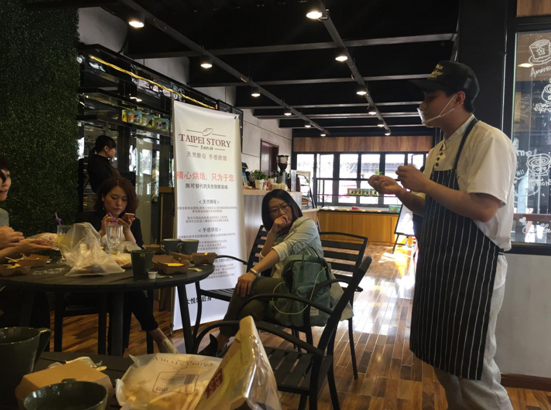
point(259, 178)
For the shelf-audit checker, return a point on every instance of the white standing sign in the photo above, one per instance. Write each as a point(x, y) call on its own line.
point(209, 197)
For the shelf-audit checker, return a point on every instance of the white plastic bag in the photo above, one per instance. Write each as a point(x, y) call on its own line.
point(81, 249)
point(165, 381)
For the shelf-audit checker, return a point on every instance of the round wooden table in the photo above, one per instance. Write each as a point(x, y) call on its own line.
point(113, 285)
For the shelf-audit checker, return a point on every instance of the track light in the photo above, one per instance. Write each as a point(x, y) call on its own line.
point(314, 14)
point(372, 112)
point(380, 125)
point(287, 112)
point(136, 20)
point(362, 91)
point(341, 56)
point(307, 125)
point(323, 135)
point(387, 133)
point(206, 62)
point(255, 92)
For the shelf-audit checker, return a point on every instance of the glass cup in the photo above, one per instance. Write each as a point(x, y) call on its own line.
point(61, 232)
point(114, 238)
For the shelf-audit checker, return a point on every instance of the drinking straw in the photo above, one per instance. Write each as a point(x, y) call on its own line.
point(114, 219)
point(57, 219)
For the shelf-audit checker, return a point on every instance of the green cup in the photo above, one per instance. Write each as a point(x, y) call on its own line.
point(69, 394)
point(20, 349)
point(142, 262)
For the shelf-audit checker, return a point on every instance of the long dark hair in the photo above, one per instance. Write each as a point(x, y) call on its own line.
point(111, 183)
point(102, 141)
point(4, 165)
point(284, 196)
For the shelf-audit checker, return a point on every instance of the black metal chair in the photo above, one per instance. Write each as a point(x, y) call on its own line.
point(226, 294)
point(298, 372)
point(345, 253)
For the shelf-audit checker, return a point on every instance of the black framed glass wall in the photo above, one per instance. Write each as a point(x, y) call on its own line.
point(531, 134)
point(335, 174)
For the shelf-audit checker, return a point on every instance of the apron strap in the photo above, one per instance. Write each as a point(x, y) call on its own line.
point(465, 135)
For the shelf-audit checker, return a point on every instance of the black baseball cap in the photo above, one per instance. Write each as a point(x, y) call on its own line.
point(451, 74)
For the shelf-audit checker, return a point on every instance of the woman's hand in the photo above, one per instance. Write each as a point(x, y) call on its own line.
point(32, 245)
point(104, 222)
point(244, 283)
point(9, 237)
point(280, 223)
point(125, 222)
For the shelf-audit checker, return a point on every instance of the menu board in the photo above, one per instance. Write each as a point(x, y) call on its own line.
point(405, 222)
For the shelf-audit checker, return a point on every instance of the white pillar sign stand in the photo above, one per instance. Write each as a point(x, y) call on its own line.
point(209, 197)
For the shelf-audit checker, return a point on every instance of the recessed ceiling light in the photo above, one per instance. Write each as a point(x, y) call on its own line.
point(526, 65)
point(323, 135)
point(342, 55)
point(307, 125)
point(372, 112)
point(381, 125)
point(206, 62)
point(387, 133)
point(255, 93)
point(314, 14)
point(136, 20)
point(361, 91)
point(287, 112)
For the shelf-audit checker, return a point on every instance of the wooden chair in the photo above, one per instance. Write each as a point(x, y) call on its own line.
point(345, 253)
point(298, 372)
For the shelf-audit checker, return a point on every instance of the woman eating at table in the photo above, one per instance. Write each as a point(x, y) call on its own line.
point(12, 244)
point(117, 201)
point(289, 233)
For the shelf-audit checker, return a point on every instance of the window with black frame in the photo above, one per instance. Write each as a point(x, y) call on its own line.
point(342, 179)
point(531, 136)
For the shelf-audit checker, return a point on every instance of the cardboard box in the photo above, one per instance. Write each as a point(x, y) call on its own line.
point(14, 270)
point(180, 256)
point(75, 370)
point(34, 261)
point(174, 267)
point(155, 248)
point(205, 258)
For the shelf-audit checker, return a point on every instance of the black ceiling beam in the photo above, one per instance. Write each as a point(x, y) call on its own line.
point(354, 122)
point(161, 25)
point(335, 116)
point(366, 132)
point(67, 4)
point(253, 107)
point(302, 47)
point(316, 81)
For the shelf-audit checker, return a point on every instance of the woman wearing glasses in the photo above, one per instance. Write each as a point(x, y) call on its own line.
point(289, 233)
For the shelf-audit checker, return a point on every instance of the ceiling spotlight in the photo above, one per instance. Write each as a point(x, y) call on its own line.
point(314, 14)
point(206, 62)
point(307, 125)
point(255, 92)
point(372, 112)
point(136, 20)
point(362, 91)
point(341, 56)
point(526, 65)
point(381, 125)
point(287, 112)
point(387, 133)
point(323, 135)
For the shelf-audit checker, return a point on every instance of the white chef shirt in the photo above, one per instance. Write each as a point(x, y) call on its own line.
point(487, 165)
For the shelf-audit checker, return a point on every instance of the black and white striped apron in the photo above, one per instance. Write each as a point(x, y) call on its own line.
point(453, 285)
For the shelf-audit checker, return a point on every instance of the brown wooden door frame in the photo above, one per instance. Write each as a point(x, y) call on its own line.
point(268, 157)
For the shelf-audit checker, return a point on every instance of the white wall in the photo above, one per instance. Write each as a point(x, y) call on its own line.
point(97, 26)
point(523, 329)
point(255, 130)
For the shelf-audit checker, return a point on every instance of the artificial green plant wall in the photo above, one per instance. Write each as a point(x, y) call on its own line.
point(39, 77)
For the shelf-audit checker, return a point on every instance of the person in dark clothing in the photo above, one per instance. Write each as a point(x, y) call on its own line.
point(99, 167)
point(116, 199)
point(418, 222)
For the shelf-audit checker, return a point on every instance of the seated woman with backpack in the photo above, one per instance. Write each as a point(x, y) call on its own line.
point(289, 233)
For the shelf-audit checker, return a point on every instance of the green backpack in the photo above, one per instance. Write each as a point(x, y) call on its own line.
point(301, 274)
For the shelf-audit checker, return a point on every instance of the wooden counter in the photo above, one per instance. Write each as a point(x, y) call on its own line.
point(377, 226)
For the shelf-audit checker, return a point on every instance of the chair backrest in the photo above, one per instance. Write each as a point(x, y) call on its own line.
point(344, 251)
point(258, 244)
point(348, 295)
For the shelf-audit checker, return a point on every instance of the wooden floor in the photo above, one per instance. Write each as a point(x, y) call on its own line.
point(390, 376)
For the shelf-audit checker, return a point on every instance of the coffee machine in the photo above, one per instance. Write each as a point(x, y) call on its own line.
point(282, 162)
